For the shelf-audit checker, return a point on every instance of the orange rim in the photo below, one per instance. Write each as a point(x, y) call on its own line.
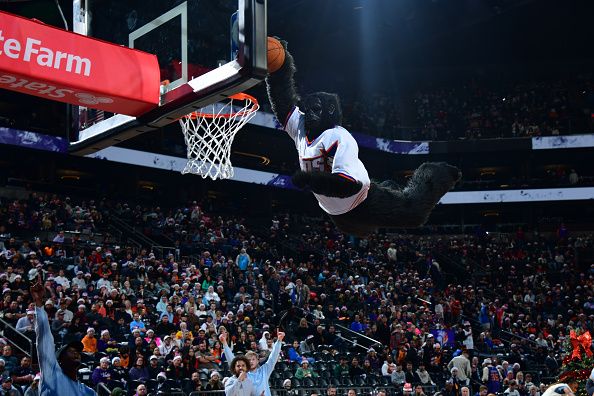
point(238, 96)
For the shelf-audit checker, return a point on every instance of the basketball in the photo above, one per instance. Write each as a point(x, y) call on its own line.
point(276, 55)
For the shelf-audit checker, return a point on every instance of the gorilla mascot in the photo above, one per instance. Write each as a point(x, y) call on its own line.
point(331, 169)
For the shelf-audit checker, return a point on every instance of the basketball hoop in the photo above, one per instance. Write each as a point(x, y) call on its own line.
point(209, 134)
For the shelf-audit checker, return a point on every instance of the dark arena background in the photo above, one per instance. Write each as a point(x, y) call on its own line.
point(493, 295)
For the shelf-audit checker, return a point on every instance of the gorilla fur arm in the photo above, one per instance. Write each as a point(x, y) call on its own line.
point(281, 87)
point(328, 184)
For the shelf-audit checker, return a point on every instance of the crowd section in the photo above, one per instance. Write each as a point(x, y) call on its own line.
point(478, 110)
point(409, 315)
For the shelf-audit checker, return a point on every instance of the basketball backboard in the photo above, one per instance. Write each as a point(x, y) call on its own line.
point(207, 50)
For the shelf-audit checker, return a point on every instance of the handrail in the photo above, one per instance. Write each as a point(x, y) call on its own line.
point(341, 389)
point(7, 325)
point(161, 249)
point(353, 343)
point(358, 334)
point(136, 235)
point(102, 389)
point(518, 336)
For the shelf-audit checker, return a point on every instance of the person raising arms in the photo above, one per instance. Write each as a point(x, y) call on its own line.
point(58, 368)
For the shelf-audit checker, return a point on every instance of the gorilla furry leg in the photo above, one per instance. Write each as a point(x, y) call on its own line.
point(325, 183)
point(409, 207)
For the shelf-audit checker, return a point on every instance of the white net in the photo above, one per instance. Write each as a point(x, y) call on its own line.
point(209, 134)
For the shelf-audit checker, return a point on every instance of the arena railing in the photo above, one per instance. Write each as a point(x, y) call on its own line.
point(102, 390)
point(133, 234)
point(369, 340)
point(11, 335)
point(341, 390)
point(351, 342)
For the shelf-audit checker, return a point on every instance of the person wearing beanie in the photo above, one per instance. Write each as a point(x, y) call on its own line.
point(90, 342)
point(215, 383)
point(118, 372)
point(33, 390)
point(102, 373)
point(106, 343)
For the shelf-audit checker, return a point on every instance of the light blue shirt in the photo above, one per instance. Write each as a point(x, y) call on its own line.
point(235, 387)
point(53, 380)
point(260, 377)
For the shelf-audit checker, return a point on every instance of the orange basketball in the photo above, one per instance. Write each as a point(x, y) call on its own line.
point(276, 55)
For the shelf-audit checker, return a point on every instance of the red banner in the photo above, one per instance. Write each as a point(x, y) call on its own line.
point(41, 60)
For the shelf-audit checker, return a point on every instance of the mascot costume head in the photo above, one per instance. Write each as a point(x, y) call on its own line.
point(322, 111)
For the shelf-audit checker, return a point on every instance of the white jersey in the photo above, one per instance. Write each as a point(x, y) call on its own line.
point(334, 151)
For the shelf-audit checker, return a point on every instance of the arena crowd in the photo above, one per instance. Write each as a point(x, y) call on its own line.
point(400, 313)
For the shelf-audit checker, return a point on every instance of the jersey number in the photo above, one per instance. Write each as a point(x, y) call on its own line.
point(319, 164)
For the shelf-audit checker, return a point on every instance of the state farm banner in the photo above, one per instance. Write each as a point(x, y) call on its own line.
point(41, 60)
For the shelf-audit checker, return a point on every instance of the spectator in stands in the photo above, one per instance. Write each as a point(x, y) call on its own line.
point(305, 371)
point(423, 375)
point(206, 360)
point(293, 353)
point(165, 327)
point(141, 390)
point(355, 370)
point(288, 388)
point(90, 342)
point(8, 388)
point(467, 340)
point(137, 323)
point(10, 361)
point(102, 373)
point(195, 385)
point(118, 372)
point(356, 325)
point(512, 390)
point(23, 375)
point(482, 391)
point(462, 364)
point(139, 372)
point(243, 260)
point(26, 324)
point(167, 346)
point(342, 368)
point(215, 382)
point(106, 343)
point(60, 326)
point(409, 375)
point(176, 370)
point(407, 389)
point(398, 376)
point(419, 391)
point(154, 366)
point(33, 390)
point(331, 391)
point(388, 367)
